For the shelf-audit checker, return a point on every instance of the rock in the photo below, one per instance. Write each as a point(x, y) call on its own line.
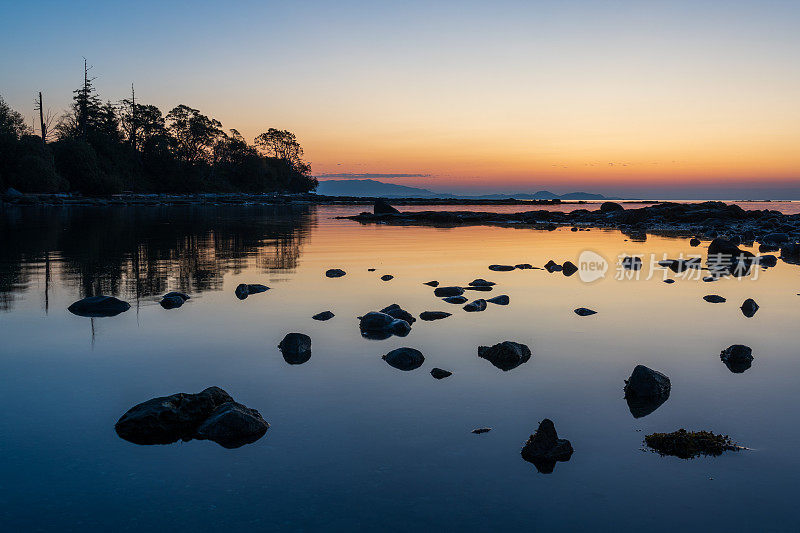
point(568, 268)
point(11, 192)
point(646, 390)
point(480, 282)
point(244, 290)
point(382, 207)
point(485, 288)
point(749, 308)
point(433, 315)
point(375, 325)
point(455, 299)
point(171, 301)
point(551, 266)
point(211, 414)
point(501, 268)
point(448, 291)
point(688, 444)
point(709, 279)
point(724, 247)
point(404, 359)
point(395, 311)
point(505, 355)
point(438, 373)
point(714, 298)
point(583, 311)
point(524, 266)
point(767, 260)
point(670, 280)
point(694, 241)
point(737, 358)
point(775, 238)
point(631, 263)
point(335, 273)
point(432, 283)
point(325, 315)
point(501, 299)
point(609, 207)
point(764, 248)
point(98, 306)
point(475, 306)
point(480, 431)
point(371, 270)
point(296, 348)
point(387, 277)
point(182, 295)
point(544, 448)
point(232, 425)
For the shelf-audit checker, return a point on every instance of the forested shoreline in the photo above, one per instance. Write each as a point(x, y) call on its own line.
point(99, 148)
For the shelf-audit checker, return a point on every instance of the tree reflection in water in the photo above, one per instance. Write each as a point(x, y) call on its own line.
point(142, 252)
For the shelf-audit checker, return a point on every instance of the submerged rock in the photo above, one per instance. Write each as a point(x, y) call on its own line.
point(395, 311)
point(551, 266)
point(524, 266)
point(232, 425)
point(404, 359)
point(455, 299)
point(749, 308)
point(506, 355)
point(448, 291)
point(584, 311)
point(173, 300)
point(669, 281)
point(438, 373)
point(431, 283)
point(387, 277)
point(379, 326)
point(714, 299)
point(211, 414)
point(694, 241)
point(689, 444)
point(480, 431)
point(335, 273)
point(646, 390)
point(631, 263)
point(568, 268)
point(767, 260)
point(382, 207)
point(501, 268)
point(296, 348)
point(475, 306)
point(737, 358)
point(480, 282)
point(433, 315)
point(544, 448)
point(325, 315)
point(501, 299)
point(98, 306)
point(243, 290)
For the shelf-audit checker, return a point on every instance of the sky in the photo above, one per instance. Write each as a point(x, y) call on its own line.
point(674, 99)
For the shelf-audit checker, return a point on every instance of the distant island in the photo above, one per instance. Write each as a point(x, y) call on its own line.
point(100, 149)
point(375, 188)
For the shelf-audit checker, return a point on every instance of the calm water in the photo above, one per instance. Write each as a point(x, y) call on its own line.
point(355, 443)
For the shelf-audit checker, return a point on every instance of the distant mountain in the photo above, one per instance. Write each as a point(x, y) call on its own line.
point(374, 188)
point(370, 187)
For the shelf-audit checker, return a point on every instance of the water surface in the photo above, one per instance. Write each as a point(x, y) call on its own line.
point(355, 443)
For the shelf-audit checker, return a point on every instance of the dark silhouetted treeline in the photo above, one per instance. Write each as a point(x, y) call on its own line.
point(101, 148)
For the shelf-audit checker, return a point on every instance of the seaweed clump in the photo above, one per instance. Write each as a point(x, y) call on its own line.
point(690, 444)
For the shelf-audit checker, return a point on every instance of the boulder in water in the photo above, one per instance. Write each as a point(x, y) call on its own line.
point(404, 359)
point(296, 348)
point(505, 355)
point(714, 298)
point(610, 207)
point(455, 299)
point(475, 306)
point(232, 425)
point(438, 373)
point(387, 277)
point(584, 311)
point(448, 291)
point(98, 306)
point(395, 311)
point(325, 315)
point(646, 390)
point(382, 207)
point(500, 299)
point(433, 315)
point(379, 326)
point(749, 308)
point(737, 358)
point(433, 283)
point(480, 282)
point(335, 273)
point(544, 448)
point(568, 268)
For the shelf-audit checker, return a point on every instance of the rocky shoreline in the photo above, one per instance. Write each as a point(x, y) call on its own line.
point(16, 198)
point(706, 220)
